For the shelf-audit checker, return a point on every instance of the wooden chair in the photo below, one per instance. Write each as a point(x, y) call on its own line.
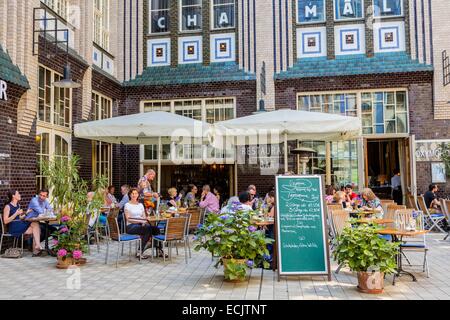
point(196, 218)
point(403, 217)
point(432, 220)
point(412, 204)
point(175, 231)
point(330, 209)
point(390, 213)
point(339, 220)
point(113, 234)
point(385, 203)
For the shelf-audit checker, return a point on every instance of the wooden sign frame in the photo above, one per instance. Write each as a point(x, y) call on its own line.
point(277, 249)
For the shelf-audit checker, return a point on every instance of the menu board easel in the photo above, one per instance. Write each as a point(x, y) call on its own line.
point(301, 232)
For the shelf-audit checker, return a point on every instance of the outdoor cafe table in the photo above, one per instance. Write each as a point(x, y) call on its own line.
point(377, 221)
point(46, 221)
point(264, 223)
point(397, 236)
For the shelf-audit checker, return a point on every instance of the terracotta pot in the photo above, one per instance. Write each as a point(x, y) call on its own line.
point(237, 261)
point(371, 282)
point(68, 262)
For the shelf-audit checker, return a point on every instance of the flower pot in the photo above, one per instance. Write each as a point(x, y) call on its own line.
point(240, 262)
point(371, 282)
point(65, 263)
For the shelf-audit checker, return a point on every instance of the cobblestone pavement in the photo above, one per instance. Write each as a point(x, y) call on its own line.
point(37, 278)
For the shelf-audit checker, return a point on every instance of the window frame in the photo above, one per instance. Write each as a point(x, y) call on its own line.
point(349, 19)
point(180, 17)
point(102, 14)
point(211, 13)
point(150, 31)
point(97, 158)
point(52, 123)
point(359, 94)
point(297, 16)
point(402, 14)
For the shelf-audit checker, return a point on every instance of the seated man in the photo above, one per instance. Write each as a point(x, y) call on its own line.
point(38, 205)
point(246, 201)
point(431, 199)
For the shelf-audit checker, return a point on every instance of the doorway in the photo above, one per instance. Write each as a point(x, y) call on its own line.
point(383, 157)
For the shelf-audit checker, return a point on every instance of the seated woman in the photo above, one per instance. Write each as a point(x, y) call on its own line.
point(330, 192)
point(110, 199)
point(136, 220)
point(12, 214)
point(189, 200)
point(371, 202)
point(173, 198)
point(340, 198)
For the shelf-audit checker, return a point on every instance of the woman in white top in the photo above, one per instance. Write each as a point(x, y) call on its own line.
point(136, 218)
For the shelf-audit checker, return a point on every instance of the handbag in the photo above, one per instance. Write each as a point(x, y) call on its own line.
point(12, 253)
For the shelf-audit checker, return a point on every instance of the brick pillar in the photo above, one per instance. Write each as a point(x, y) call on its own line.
point(206, 26)
point(174, 27)
point(329, 9)
point(369, 28)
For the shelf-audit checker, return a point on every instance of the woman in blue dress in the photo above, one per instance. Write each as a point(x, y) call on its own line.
point(12, 214)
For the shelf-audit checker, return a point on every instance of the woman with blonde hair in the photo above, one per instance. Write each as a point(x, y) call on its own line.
point(339, 198)
point(173, 197)
point(371, 202)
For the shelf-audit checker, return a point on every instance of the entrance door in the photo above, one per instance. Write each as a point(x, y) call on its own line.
point(383, 158)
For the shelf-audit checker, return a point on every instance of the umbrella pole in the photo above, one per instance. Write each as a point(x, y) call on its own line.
point(285, 153)
point(159, 168)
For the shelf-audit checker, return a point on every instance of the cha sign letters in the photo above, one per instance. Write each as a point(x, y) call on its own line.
point(3, 88)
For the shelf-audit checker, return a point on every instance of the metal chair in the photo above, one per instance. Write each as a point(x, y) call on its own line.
point(340, 220)
point(403, 217)
point(186, 233)
point(113, 234)
point(175, 231)
point(445, 205)
point(5, 234)
point(92, 230)
point(196, 218)
point(390, 214)
point(432, 220)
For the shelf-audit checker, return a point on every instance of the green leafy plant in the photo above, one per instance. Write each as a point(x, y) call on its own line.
point(445, 156)
point(236, 240)
point(361, 248)
point(70, 202)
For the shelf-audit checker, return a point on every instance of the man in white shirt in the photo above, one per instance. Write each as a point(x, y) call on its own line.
point(396, 184)
point(246, 202)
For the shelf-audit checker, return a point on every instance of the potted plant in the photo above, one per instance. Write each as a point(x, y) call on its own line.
point(238, 243)
point(69, 200)
point(361, 248)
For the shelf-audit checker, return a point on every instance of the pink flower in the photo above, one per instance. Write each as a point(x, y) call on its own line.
point(64, 230)
point(55, 242)
point(62, 252)
point(77, 254)
point(65, 219)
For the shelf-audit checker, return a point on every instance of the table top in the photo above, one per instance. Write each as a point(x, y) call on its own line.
point(42, 219)
point(398, 232)
point(377, 221)
point(364, 212)
point(264, 222)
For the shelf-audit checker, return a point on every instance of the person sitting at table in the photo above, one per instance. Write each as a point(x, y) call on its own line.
point(110, 199)
point(371, 202)
point(245, 198)
point(340, 198)
point(173, 198)
point(189, 200)
point(349, 194)
point(218, 193)
point(12, 214)
point(38, 206)
point(136, 220)
point(431, 199)
point(330, 191)
point(209, 201)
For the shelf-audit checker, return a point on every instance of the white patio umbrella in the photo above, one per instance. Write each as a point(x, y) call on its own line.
point(290, 125)
point(143, 129)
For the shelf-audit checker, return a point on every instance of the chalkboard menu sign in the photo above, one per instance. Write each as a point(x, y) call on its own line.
point(301, 226)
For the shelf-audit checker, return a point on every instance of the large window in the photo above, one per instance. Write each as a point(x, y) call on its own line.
point(54, 103)
point(382, 112)
point(223, 14)
point(59, 6)
point(101, 23)
point(344, 161)
point(102, 152)
point(159, 16)
point(191, 15)
point(51, 143)
point(207, 110)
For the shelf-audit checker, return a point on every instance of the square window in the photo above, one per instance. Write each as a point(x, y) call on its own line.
point(159, 52)
point(350, 39)
point(223, 47)
point(191, 50)
point(311, 42)
point(389, 37)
